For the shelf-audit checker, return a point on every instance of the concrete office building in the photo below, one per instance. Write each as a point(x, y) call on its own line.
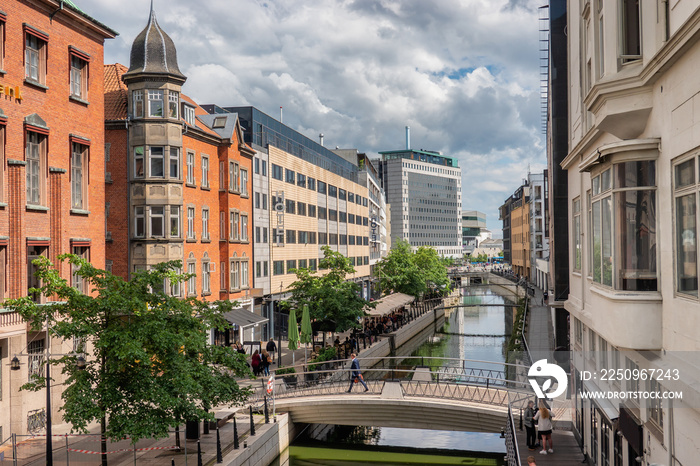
point(424, 190)
point(309, 197)
point(379, 229)
point(474, 230)
point(633, 216)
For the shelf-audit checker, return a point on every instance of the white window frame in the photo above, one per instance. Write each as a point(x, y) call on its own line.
point(190, 167)
point(188, 115)
point(78, 77)
point(174, 163)
point(206, 278)
point(205, 223)
point(244, 182)
point(205, 171)
point(139, 217)
point(137, 104)
point(244, 227)
point(175, 221)
point(154, 156)
point(192, 281)
point(191, 234)
point(155, 214)
point(156, 103)
point(173, 104)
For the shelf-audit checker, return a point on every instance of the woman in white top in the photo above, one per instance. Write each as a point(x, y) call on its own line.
point(544, 426)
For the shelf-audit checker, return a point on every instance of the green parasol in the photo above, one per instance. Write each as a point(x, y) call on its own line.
point(293, 332)
point(306, 332)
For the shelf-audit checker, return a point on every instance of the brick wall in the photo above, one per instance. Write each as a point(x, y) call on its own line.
point(63, 117)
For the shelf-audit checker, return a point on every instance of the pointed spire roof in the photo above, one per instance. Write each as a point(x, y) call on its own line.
point(153, 52)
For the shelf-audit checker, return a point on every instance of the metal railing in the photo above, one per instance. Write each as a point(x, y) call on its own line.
point(452, 378)
point(517, 402)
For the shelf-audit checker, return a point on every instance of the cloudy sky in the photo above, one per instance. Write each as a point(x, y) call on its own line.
point(463, 74)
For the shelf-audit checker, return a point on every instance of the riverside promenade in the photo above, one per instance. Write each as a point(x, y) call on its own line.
point(540, 341)
point(256, 450)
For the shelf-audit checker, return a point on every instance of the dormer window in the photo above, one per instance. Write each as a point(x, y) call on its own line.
point(188, 114)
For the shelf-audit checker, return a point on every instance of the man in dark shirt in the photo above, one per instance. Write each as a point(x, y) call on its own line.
point(271, 348)
point(355, 375)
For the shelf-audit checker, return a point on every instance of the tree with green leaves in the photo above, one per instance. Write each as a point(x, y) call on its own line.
point(412, 273)
point(399, 273)
point(330, 296)
point(150, 366)
point(433, 269)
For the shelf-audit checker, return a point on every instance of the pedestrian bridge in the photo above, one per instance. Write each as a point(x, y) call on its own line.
point(441, 394)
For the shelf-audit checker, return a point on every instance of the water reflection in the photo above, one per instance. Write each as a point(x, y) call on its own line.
point(471, 332)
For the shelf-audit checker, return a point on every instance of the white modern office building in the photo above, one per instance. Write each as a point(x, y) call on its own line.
point(424, 189)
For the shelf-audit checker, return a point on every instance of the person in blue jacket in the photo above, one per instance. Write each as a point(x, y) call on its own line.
point(355, 375)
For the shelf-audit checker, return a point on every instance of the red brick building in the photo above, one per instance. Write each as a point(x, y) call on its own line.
point(178, 180)
point(51, 168)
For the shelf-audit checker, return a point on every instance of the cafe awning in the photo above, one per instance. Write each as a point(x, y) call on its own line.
point(390, 303)
point(244, 319)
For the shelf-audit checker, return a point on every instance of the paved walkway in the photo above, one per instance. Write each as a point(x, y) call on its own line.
point(566, 450)
point(540, 337)
point(540, 340)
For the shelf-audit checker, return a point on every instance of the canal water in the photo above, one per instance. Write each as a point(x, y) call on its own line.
point(471, 332)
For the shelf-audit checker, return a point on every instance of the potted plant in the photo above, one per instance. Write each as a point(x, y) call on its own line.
point(286, 373)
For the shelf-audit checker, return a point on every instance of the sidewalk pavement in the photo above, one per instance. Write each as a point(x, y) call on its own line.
point(540, 336)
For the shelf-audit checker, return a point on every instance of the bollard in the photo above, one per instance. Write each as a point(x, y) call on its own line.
point(219, 456)
point(267, 413)
point(252, 423)
point(236, 445)
point(172, 462)
point(199, 454)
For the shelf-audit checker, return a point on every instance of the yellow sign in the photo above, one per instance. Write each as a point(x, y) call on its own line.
point(11, 92)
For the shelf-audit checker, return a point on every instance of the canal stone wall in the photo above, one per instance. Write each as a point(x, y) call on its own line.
point(408, 338)
point(271, 440)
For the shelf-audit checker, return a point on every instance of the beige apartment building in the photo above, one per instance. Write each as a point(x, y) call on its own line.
point(520, 234)
point(313, 207)
point(633, 187)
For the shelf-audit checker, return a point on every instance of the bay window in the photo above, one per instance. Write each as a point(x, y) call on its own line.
point(624, 208)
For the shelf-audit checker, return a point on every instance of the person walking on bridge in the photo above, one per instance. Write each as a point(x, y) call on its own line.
point(356, 376)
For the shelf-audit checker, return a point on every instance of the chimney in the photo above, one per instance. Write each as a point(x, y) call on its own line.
point(408, 138)
point(320, 138)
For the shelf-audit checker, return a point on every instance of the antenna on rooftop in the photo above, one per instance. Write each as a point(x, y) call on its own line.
point(281, 114)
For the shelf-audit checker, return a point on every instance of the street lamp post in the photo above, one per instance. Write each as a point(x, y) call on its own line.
point(15, 366)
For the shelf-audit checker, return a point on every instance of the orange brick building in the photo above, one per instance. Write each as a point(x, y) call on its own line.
point(51, 171)
point(178, 180)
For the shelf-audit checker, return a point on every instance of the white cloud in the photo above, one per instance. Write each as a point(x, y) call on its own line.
point(464, 74)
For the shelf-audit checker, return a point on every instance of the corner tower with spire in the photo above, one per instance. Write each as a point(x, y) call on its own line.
point(154, 84)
